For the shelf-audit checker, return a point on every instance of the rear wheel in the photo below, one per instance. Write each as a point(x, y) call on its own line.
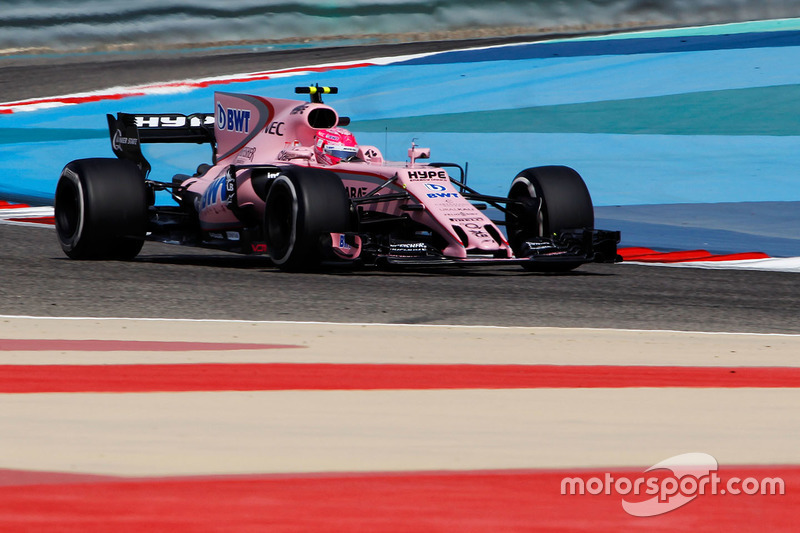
point(548, 200)
point(303, 206)
point(101, 209)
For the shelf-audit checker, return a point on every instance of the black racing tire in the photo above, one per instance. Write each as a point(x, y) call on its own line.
point(101, 209)
point(303, 206)
point(565, 204)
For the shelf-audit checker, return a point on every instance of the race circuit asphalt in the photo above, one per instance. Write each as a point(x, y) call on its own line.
point(167, 281)
point(172, 282)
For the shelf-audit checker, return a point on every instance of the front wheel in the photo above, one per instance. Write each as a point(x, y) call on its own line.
point(547, 200)
point(101, 209)
point(303, 206)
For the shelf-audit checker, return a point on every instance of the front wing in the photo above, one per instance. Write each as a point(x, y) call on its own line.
point(569, 248)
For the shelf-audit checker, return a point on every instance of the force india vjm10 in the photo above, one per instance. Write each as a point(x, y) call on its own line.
point(289, 181)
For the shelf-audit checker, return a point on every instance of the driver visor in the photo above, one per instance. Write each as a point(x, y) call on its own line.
point(342, 152)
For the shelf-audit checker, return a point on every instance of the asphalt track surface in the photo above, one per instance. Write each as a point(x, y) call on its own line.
point(174, 282)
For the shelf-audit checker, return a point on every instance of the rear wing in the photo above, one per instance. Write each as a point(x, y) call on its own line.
point(128, 131)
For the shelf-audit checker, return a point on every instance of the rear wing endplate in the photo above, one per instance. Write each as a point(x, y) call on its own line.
point(128, 131)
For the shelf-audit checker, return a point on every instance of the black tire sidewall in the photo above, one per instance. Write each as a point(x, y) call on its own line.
point(70, 211)
point(320, 206)
point(111, 197)
point(566, 203)
point(280, 245)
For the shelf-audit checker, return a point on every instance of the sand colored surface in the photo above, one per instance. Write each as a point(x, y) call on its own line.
point(159, 434)
point(343, 343)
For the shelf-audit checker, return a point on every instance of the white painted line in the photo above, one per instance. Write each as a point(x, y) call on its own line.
point(26, 212)
point(7, 213)
point(774, 264)
point(384, 325)
point(27, 224)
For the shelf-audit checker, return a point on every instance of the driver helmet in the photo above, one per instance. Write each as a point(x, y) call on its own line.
point(334, 144)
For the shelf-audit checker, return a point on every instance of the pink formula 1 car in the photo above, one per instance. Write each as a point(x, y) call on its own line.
point(288, 180)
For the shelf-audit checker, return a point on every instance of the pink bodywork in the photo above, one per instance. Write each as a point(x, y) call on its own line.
point(273, 131)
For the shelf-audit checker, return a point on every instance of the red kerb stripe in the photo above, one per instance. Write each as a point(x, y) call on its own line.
point(7, 205)
point(516, 500)
point(293, 376)
point(37, 220)
point(646, 255)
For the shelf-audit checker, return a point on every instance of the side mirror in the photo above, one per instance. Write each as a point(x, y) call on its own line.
point(418, 153)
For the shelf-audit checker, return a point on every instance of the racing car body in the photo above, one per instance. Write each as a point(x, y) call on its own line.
point(286, 179)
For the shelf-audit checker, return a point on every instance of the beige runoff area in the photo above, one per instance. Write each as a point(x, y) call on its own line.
point(197, 433)
point(171, 434)
point(399, 344)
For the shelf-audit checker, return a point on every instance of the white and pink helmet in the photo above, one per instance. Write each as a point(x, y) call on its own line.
point(334, 144)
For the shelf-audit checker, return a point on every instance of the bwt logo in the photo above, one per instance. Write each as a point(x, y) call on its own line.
point(439, 191)
point(215, 192)
point(231, 119)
